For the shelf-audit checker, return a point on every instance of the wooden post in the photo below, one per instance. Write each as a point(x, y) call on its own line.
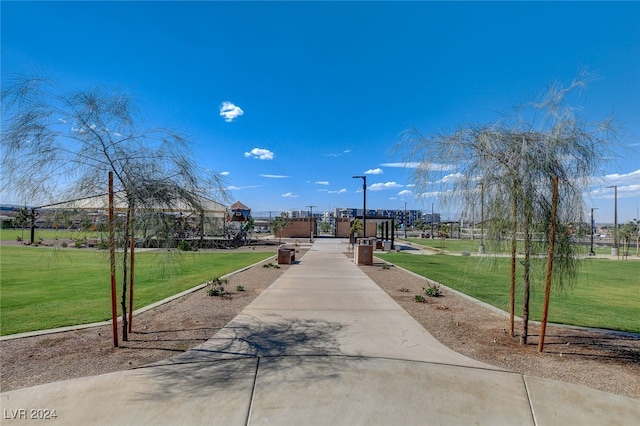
point(547, 285)
point(132, 246)
point(112, 262)
point(512, 289)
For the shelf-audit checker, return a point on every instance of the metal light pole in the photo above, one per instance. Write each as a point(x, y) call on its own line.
point(364, 204)
point(614, 250)
point(591, 252)
point(481, 247)
point(311, 224)
point(432, 220)
point(404, 220)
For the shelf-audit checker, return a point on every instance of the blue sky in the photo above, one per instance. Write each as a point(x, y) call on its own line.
point(290, 100)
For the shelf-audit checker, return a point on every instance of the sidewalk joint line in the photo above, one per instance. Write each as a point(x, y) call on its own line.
point(526, 388)
point(253, 391)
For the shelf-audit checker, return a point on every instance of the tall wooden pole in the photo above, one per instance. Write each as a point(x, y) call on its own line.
point(512, 288)
point(547, 285)
point(112, 262)
point(132, 246)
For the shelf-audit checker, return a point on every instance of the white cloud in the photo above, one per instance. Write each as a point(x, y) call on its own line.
point(404, 192)
point(433, 194)
point(425, 166)
point(260, 154)
point(622, 179)
point(274, 176)
point(230, 111)
point(452, 177)
point(626, 186)
point(376, 171)
point(289, 195)
point(322, 182)
point(383, 186)
point(339, 191)
point(224, 173)
point(346, 151)
point(239, 188)
point(408, 165)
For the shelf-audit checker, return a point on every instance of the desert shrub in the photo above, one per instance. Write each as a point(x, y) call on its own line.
point(433, 290)
point(216, 287)
point(186, 246)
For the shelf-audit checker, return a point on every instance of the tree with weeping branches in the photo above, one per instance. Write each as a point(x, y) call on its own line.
point(61, 144)
point(516, 161)
point(279, 223)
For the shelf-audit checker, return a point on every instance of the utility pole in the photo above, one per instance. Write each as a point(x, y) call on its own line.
point(481, 247)
point(614, 250)
point(404, 220)
point(432, 220)
point(364, 204)
point(591, 252)
point(311, 224)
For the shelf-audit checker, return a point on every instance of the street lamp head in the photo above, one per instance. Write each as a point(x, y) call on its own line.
point(359, 177)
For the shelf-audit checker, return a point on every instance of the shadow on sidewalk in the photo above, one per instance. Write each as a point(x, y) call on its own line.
point(230, 361)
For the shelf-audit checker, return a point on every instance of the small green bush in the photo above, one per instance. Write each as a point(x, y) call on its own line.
point(186, 246)
point(239, 288)
point(216, 287)
point(433, 290)
point(419, 299)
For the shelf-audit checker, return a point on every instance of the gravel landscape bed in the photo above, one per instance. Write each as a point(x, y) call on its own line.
point(601, 360)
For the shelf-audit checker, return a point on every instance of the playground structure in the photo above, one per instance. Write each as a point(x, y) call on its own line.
point(239, 225)
point(214, 226)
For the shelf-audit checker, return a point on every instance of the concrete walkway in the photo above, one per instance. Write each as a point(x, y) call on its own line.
point(323, 345)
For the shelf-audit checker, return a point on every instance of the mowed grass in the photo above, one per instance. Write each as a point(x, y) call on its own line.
point(48, 234)
point(606, 294)
point(43, 288)
point(457, 246)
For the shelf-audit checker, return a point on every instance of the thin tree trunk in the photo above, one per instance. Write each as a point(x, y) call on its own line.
point(526, 278)
point(125, 275)
point(547, 284)
point(512, 289)
point(112, 263)
point(132, 246)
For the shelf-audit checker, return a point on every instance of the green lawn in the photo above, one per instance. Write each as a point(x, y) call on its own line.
point(457, 246)
point(44, 288)
point(46, 234)
point(607, 294)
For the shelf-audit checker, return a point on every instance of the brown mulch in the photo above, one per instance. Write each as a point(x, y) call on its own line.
point(606, 361)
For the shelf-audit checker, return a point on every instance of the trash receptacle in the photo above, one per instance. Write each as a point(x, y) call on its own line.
point(387, 245)
point(363, 253)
